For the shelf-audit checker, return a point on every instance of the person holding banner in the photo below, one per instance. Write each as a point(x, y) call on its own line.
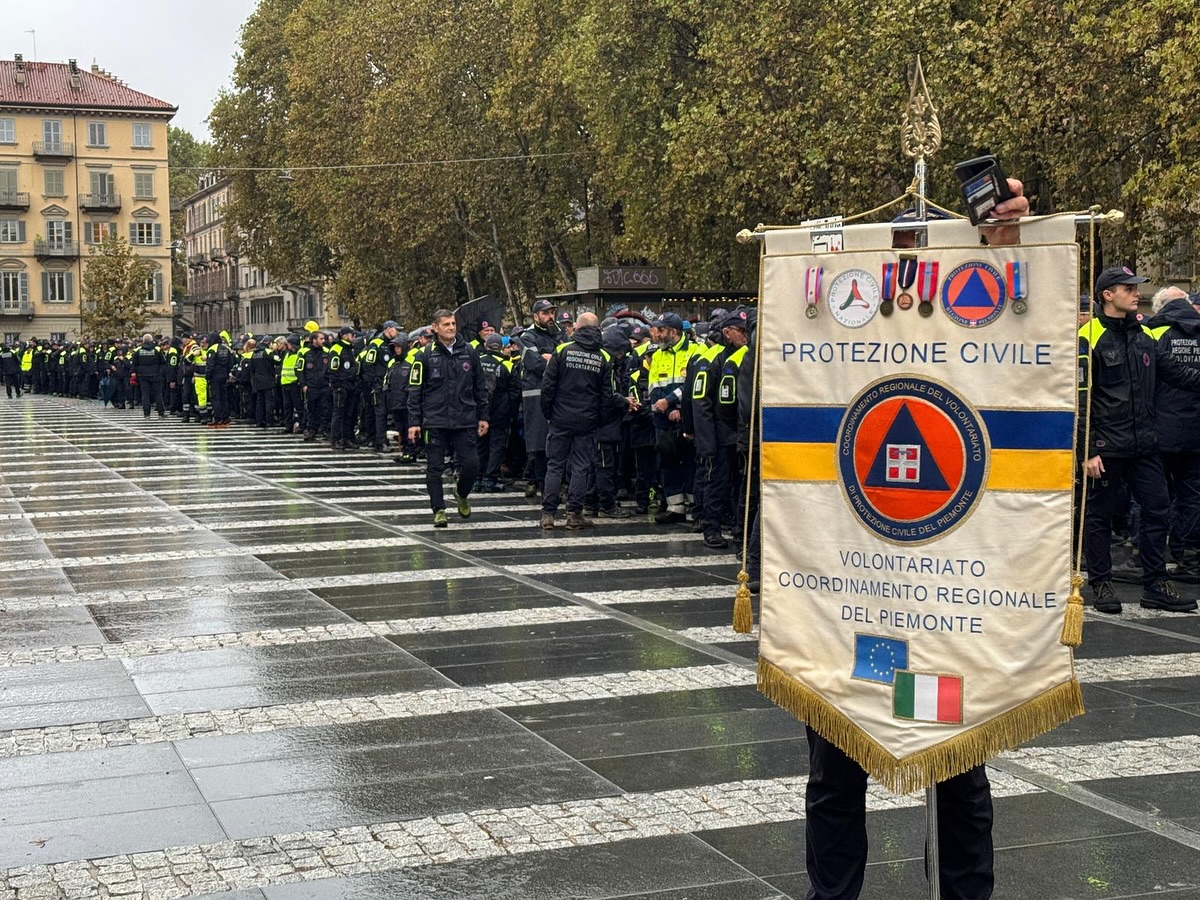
point(1121, 443)
point(835, 802)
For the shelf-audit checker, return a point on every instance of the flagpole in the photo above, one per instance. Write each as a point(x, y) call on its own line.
point(921, 137)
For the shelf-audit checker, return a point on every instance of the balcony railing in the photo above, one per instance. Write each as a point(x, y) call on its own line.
point(14, 200)
point(110, 202)
point(53, 149)
point(55, 249)
point(197, 259)
point(216, 253)
point(22, 308)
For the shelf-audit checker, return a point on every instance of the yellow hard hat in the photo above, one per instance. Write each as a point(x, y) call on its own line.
point(311, 326)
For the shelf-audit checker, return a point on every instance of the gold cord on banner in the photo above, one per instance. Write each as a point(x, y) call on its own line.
point(743, 609)
point(1072, 629)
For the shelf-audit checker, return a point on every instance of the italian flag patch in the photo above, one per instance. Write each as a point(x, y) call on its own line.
point(923, 697)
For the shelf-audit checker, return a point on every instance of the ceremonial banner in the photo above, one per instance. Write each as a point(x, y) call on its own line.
point(917, 462)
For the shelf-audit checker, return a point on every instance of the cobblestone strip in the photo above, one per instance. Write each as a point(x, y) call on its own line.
point(1178, 754)
point(596, 565)
point(243, 525)
point(409, 704)
point(238, 588)
point(554, 542)
point(281, 637)
point(722, 634)
point(80, 513)
point(69, 562)
point(179, 872)
point(663, 594)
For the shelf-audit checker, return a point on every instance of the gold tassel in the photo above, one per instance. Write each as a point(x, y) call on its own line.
point(1072, 630)
point(938, 763)
point(743, 612)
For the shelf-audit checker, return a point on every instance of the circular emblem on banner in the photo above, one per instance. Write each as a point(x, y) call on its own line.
point(912, 459)
point(973, 294)
point(854, 298)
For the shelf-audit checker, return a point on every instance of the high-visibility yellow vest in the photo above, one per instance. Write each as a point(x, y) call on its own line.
point(287, 375)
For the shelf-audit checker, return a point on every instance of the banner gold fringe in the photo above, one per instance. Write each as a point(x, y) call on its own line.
point(938, 763)
point(743, 612)
point(1072, 629)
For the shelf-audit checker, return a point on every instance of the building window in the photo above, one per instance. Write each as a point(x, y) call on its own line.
point(154, 288)
point(12, 231)
point(12, 338)
point(103, 185)
point(59, 337)
point(141, 135)
point(55, 183)
point(8, 131)
point(8, 179)
point(14, 291)
point(58, 287)
point(99, 232)
point(145, 234)
point(143, 185)
point(52, 132)
point(58, 233)
point(97, 134)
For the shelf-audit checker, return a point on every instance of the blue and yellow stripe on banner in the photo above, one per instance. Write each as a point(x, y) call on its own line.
point(1032, 450)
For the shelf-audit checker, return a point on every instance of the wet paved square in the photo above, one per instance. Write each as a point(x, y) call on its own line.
point(236, 665)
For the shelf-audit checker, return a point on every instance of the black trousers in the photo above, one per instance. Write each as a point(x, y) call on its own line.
point(345, 405)
point(568, 453)
point(1182, 469)
point(318, 410)
point(607, 454)
point(12, 383)
point(712, 491)
point(293, 405)
point(151, 392)
point(220, 399)
point(497, 447)
point(264, 407)
point(458, 443)
point(1144, 475)
point(836, 828)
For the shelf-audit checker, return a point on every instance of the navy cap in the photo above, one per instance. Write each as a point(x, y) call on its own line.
point(494, 341)
point(736, 319)
point(345, 329)
point(668, 320)
point(389, 324)
point(542, 305)
point(1117, 275)
point(565, 316)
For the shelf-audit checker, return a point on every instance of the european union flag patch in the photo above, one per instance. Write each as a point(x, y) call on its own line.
point(877, 658)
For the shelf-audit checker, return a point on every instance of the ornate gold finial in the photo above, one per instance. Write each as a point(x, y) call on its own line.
point(920, 130)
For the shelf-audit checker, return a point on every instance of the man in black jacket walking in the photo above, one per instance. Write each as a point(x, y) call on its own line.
point(1121, 444)
point(578, 396)
point(149, 365)
point(448, 403)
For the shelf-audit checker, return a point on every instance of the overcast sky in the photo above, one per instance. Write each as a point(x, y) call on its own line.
point(180, 51)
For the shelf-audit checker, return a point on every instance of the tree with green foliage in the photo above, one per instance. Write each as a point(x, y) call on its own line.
point(186, 158)
point(116, 284)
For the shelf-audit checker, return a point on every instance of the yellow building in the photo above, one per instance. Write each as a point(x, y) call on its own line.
point(81, 155)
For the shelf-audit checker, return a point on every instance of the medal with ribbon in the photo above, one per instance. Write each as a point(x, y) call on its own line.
point(1015, 272)
point(889, 288)
point(907, 275)
point(927, 279)
point(812, 290)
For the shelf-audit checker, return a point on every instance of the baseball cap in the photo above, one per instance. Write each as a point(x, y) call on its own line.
point(541, 305)
point(494, 341)
point(1117, 275)
point(345, 329)
point(565, 316)
point(735, 319)
point(400, 340)
point(390, 324)
point(668, 320)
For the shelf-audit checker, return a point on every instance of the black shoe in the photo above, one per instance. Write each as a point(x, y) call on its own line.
point(531, 490)
point(593, 511)
point(1162, 595)
point(617, 512)
point(716, 542)
point(1105, 598)
point(667, 517)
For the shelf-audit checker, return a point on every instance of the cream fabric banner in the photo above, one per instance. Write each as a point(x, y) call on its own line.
point(917, 460)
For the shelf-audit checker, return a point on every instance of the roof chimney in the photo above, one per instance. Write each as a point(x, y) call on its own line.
point(20, 72)
point(76, 78)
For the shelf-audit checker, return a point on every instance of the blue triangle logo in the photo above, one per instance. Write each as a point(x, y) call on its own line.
point(974, 294)
point(904, 460)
